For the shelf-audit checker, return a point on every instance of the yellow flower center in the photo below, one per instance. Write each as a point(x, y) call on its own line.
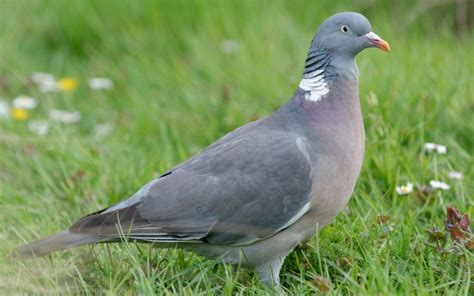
point(68, 83)
point(19, 114)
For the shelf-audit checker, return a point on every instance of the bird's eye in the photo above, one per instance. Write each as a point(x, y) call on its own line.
point(344, 29)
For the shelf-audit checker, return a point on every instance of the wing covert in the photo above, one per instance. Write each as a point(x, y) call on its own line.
point(243, 188)
point(237, 192)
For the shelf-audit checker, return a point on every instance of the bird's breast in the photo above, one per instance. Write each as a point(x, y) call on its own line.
point(337, 154)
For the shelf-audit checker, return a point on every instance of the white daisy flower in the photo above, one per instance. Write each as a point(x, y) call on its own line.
point(439, 185)
point(4, 110)
point(39, 127)
point(100, 83)
point(441, 149)
point(404, 189)
point(429, 147)
point(68, 117)
point(102, 130)
point(49, 86)
point(40, 77)
point(432, 147)
point(455, 175)
point(229, 46)
point(25, 102)
point(45, 82)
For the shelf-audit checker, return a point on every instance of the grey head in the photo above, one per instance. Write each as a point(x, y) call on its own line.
point(332, 52)
point(347, 33)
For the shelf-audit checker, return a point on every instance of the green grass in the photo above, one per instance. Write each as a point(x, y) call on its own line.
point(176, 92)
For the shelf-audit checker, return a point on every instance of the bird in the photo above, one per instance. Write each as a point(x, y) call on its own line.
point(262, 189)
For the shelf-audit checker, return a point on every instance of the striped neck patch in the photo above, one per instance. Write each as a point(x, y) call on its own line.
point(315, 76)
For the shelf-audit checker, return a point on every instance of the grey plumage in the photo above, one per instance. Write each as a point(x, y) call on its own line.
point(257, 192)
point(59, 241)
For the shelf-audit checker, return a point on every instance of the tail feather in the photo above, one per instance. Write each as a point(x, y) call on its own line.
point(60, 241)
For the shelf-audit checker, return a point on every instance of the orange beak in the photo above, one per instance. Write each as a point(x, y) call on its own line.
point(377, 41)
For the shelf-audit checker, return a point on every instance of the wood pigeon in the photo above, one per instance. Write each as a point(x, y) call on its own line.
point(262, 189)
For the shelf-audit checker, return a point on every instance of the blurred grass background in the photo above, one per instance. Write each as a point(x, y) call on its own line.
point(176, 91)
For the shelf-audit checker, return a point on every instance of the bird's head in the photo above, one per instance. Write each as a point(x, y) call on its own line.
point(347, 34)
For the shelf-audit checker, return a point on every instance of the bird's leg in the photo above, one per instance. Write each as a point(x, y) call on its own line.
point(269, 273)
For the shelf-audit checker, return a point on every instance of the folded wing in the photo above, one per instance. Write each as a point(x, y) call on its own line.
point(242, 190)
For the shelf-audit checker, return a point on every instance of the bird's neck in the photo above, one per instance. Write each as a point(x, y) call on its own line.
point(328, 91)
point(321, 69)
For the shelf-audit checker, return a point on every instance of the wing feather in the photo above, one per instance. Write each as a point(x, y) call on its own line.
point(245, 187)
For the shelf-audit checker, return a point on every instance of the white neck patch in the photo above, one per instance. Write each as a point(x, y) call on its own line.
point(315, 85)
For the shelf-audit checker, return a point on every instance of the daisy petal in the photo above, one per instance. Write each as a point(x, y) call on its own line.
point(439, 185)
point(455, 175)
point(100, 83)
point(432, 147)
point(67, 117)
point(4, 110)
point(103, 129)
point(404, 189)
point(25, 102)
point(40, 77)
point(39, 127)
point(45, 82)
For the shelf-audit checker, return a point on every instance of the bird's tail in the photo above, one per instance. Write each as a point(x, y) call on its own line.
point(60, 241)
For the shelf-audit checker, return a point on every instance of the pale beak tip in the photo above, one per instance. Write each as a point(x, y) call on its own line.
point(377, 41)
